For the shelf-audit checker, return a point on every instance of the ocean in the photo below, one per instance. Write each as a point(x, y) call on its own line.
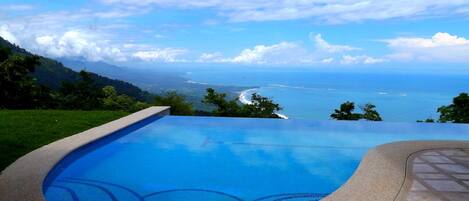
point(308, 94)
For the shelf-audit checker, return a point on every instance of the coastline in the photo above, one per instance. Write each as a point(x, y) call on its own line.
point(244, 99)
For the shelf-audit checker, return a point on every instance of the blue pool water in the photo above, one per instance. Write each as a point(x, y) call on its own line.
point(216, 159)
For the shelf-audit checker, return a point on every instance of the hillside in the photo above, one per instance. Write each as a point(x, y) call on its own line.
point(155, 80)
point(52, 73)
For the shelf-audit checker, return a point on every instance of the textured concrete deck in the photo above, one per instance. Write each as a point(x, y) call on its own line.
point(386, 172)
point(440, 175)
point(22, 180)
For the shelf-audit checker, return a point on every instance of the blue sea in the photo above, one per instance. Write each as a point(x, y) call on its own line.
point(308, 94)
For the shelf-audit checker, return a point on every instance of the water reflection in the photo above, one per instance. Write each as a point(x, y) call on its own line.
point(245, 158)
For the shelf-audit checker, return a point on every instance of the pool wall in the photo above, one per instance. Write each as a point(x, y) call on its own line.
point(23, 180)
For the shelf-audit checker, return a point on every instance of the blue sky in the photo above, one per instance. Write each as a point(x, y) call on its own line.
point(309, 33)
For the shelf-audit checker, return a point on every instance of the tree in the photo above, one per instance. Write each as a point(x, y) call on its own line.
point(177, 102)
point(261, 107)
point(370, 113)
point(17, 88)
point(346, 112)
point(83, 95)
point(4, 54)
point(112, 101)
point(222, 106)
point(428, 120)
point(139, 105)
point(457, 112)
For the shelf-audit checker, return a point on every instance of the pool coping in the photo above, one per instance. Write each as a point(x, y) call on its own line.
point(23, 179)
point(383, 174)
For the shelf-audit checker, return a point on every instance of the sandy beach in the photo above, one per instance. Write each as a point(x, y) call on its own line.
point(244, 98)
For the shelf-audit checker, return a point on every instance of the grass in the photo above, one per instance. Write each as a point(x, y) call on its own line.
point(22, 131)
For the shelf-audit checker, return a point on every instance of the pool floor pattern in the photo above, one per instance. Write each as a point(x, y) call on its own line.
point(115, 192)
point(440, 175)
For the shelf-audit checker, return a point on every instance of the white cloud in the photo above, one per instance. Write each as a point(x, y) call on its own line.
point(163, 55)
point(99, 46)
point(119, 13)
point(440, 47)
point(76, 44)
point(8, 35)
point(323, 45)
point(281, 53)
point(327, 60)
point(69, 35)
point(260, 53)
point(214, 57)
point(438, 40)
point(16, 7)
point(362, 59)
point(44, 34)
point(294, 53)
point(335, 11)
point(45, 40)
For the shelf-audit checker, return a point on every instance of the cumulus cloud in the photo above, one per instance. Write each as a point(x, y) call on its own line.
point(76, 44)
point(327, 60)
point(6, 33)
point(88, 46)
point(323, 45)
point(211, 57)
point(440, 47)
point(294, 53)
point(337, 11)
point(62, 34)
point(159, 36)
point(281, 53)
point(440, 39)
point(361, 59)
point(163, 55)
point(16, 7)
point(44, 34)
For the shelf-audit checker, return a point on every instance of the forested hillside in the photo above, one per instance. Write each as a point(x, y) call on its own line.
point(52, 74)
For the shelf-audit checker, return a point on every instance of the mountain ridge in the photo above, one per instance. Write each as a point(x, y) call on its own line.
point(156, 80)
point(52, 73)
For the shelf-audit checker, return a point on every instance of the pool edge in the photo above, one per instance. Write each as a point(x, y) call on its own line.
point(383, 173)
point(23, 179)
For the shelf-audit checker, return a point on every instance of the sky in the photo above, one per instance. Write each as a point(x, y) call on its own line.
point(308, 33)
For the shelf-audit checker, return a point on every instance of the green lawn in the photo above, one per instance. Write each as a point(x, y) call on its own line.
point(22, 131)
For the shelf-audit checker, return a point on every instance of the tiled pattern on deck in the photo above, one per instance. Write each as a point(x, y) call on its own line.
point(440, 175)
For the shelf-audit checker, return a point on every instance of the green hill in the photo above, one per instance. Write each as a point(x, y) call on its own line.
point(156, 80)
point(52, 74)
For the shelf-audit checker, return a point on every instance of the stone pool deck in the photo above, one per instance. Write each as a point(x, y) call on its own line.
point(440, 175)
point(400, 171)
point(389, 173)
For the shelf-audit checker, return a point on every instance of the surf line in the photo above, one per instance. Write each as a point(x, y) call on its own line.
point(244, 99)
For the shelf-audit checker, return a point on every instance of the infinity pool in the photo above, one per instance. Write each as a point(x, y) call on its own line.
point(176, 158)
